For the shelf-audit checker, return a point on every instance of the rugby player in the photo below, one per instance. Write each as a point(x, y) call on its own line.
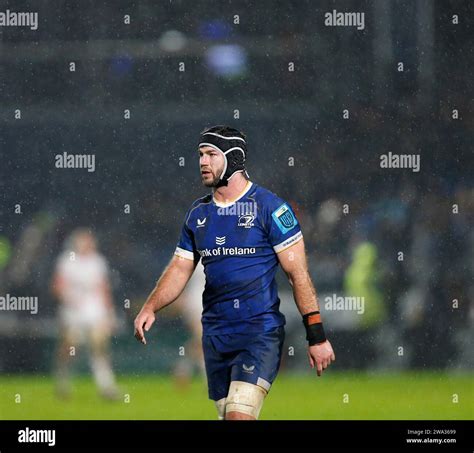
point(189, 305)
point(86, 312)
point(240, 232)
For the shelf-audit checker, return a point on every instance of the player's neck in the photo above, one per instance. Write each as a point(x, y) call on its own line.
point(227, 194)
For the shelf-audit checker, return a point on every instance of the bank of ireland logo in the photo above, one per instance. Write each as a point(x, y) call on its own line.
point(284, 218)
point(220, 240)
point(246, 221)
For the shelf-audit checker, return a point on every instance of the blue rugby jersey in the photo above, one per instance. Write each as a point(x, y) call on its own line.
point(238, 243)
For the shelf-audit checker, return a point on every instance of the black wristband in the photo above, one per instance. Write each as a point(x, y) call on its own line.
point(314, 328)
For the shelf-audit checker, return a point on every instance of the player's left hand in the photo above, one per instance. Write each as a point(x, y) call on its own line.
point(321, 355)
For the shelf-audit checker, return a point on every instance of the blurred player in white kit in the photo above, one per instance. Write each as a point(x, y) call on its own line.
point(189, 305)
point(86, 312)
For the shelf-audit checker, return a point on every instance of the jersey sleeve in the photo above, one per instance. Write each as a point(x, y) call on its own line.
point(282, 225)
point(186, 247)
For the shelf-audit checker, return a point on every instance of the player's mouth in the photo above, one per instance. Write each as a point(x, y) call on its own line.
point(206, 172)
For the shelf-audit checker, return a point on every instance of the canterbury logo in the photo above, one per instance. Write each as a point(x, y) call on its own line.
point(220, 240)
point(248, 368)
point(201, 223)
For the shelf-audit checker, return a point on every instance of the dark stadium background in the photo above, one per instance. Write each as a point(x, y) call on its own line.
point(285, 115)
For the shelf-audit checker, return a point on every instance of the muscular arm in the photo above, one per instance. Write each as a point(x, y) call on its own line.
point(293, 262)
point(170, 285)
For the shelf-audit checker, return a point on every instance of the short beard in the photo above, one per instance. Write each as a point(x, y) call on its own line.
point(213, 183)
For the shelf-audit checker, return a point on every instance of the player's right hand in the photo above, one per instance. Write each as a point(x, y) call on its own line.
point(143, 321)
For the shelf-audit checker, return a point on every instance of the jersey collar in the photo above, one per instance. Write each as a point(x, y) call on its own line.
point(241, 195)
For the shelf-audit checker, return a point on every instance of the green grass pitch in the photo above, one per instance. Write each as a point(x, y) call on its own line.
point(335, 396)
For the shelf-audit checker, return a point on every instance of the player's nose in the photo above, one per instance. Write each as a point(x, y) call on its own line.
point(204, 160)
